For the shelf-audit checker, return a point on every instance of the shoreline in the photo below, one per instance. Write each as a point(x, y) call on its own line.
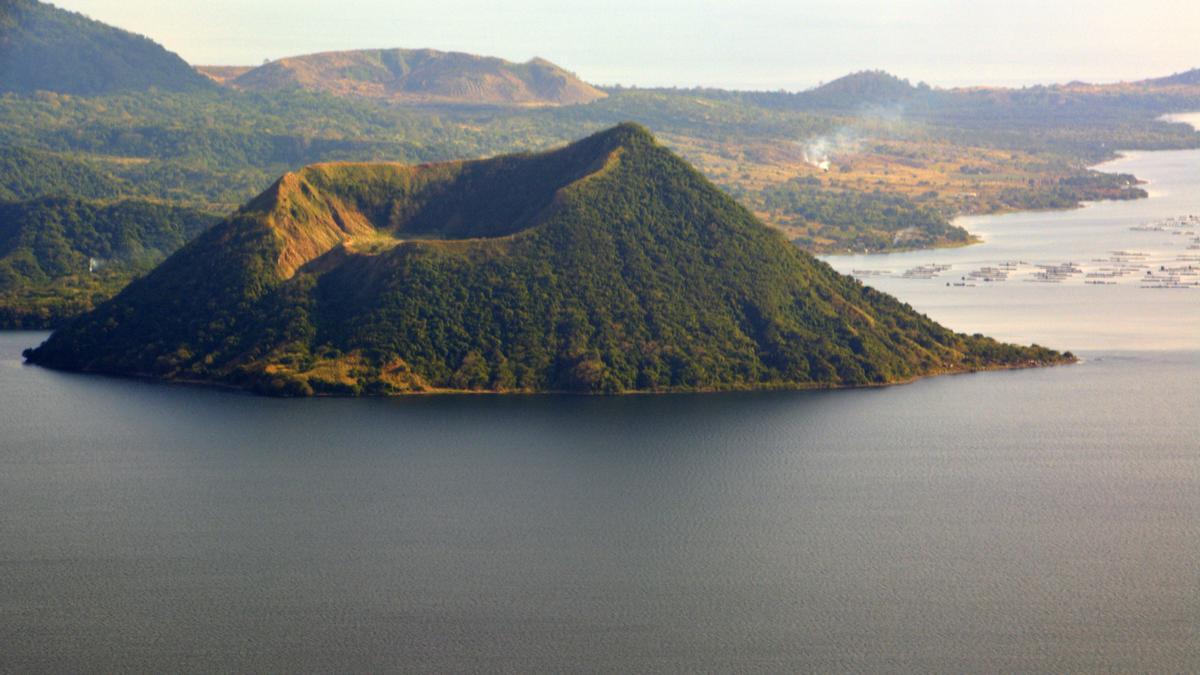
point(1068, 359)
point(1191, 119)
point(976, 238)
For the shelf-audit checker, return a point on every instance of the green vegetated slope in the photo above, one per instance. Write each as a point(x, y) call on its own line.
point(46, 48)
point(608, 265)
point(61, 256)
point(26, 174)
point(857, 219)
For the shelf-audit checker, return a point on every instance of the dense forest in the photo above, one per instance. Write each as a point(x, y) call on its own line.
point(851, 220)
point(26, 174)
point(609, 265)
point(62, 255)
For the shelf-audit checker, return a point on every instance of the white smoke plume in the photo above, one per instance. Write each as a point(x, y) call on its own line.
point(821, 151)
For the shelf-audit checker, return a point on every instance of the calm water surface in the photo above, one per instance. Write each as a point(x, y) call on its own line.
point(1041, 520)
point(1072, 314)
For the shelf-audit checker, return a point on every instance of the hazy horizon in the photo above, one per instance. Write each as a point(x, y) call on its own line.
point(770, 45)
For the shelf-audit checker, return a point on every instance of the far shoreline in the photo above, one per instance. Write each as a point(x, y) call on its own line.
point(977, 238)
point(1192, 119)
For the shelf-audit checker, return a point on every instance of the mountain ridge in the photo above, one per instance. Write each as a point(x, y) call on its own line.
point(866, 87)
point(419, 76)
point(607, 265)
point(1187, 78)
point(43, 47)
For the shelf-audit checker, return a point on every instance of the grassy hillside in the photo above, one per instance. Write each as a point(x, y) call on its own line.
point(61, 256)
point(608, 265)
point(422, 76)
point(46, 48)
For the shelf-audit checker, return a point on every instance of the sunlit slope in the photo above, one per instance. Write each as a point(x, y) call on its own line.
point(422, 76)
point(607, 265)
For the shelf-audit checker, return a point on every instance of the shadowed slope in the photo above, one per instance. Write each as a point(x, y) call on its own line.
point(47, 48)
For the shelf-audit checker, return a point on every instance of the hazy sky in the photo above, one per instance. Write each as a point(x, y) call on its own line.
point(770, 44)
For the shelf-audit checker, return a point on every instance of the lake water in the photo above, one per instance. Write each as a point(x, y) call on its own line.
point(1090, 310)
point(1037, 520)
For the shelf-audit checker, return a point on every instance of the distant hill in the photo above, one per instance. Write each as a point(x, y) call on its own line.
point(46, 48)
point(608, 265)
point(1188, 78)
point(856, 89)
point(850, 94)
point(421, 76)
